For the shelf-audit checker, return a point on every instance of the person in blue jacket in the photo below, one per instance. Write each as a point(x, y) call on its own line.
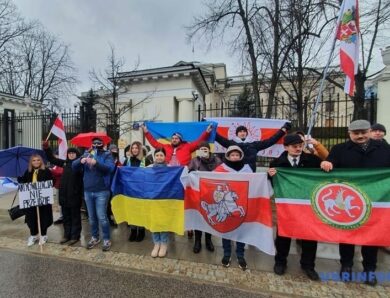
point(98, 166)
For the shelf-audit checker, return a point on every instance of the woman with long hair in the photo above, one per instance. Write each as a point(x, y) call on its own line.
point(36, 172)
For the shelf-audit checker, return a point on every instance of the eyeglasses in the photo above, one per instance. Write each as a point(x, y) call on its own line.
point(97, 143)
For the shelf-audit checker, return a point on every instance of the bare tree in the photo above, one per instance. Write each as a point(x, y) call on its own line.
point(235, 18)
point(108, 90)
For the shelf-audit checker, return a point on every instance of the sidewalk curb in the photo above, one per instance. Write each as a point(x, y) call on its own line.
point(250, 280)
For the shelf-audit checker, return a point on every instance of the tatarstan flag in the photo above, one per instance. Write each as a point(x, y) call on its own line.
point(343, 206)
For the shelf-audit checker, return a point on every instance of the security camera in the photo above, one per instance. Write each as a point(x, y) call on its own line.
point(195, 94)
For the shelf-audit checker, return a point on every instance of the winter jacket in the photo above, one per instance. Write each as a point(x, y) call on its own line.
point(204, 164)
point(183, 150)
point(45, 212)
point(351, 155)
point(98, 177)
point(71, 187)
point(251, 149)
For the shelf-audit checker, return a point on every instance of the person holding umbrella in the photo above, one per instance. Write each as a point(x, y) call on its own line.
point(98, 165)
point(37, 172)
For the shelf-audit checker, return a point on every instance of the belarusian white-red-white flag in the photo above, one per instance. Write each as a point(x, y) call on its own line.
point(348, 34)
point(233, 206)
point(59, 131)
point(259, 129)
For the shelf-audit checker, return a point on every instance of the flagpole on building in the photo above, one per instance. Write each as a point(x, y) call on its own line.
point(319, 95)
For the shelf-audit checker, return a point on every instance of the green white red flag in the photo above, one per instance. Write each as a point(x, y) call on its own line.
point(343, 206)
point(348, 34)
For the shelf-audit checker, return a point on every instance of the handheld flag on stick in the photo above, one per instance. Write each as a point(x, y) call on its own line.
point(59, 131)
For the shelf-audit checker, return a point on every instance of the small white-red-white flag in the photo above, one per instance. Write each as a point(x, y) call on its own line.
point(348, 34)
point(59, 131)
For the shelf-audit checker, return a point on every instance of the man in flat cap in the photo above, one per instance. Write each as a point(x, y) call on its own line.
point(294, 157)
point(359, 152)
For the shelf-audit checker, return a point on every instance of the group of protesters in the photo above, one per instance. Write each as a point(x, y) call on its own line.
point(89, 176)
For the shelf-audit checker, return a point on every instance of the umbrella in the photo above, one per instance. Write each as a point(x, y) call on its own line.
point(14, 161)
point(7, 185)
point(85, 139)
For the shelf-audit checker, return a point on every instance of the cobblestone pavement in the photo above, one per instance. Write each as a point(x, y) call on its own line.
point(204, 267)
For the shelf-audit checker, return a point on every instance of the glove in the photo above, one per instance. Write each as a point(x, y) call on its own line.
point(45, 145)
point(287, 126)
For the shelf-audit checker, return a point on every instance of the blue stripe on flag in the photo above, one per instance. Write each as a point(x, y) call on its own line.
point(149, 183)
point(190, 131)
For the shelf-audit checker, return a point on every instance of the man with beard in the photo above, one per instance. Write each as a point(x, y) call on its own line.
point(178, 152)
point(98, 166)
point(359, 152)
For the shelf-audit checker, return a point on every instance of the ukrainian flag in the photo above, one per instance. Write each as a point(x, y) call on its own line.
point(191, 131)
point(149, 197)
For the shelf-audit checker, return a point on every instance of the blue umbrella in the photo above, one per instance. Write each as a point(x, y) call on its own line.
point(14, 161)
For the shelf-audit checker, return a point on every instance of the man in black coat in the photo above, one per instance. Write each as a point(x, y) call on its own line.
point(70, 194)
point(250, 147)
point(359, 152)
point(294, 157)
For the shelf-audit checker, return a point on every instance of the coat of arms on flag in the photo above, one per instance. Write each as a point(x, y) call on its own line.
point(223, 204)
point(233, 206)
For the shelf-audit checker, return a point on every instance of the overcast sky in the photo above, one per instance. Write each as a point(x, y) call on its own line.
point(152, 30)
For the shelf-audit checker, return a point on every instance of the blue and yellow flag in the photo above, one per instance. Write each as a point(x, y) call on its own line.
point(149, 197)
point(191, 131)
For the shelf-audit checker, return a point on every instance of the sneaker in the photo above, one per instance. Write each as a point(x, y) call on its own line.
point(31, 240)
point(106, 245)
point(42, 240)
point(226, 261)
point(242, 263)
point(93, 242)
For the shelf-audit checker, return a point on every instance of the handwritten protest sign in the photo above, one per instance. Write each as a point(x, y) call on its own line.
point(35, 194)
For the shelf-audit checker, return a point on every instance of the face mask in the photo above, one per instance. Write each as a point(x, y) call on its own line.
point(201, 153)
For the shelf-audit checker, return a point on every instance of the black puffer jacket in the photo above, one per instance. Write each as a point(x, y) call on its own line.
point(71, 188)
point(251, 149)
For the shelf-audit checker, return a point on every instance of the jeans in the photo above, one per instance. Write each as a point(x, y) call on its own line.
point(160, 237)
point(227, 248)
point(97, 207)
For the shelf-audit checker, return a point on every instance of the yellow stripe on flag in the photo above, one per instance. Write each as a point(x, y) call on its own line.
point(155, 215)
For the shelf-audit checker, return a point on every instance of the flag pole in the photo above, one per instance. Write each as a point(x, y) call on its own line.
point(39, 230)
point(48, 136)
point(319, 95)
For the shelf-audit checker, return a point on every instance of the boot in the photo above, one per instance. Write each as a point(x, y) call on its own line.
point(209, 243)
point(133, 234)
point(140, 234)
point(155, 250)
point(163, 250)
point(198, 242)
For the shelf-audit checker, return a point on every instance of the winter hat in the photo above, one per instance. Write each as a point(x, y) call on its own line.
point(204, 144)
point(177, 134)
point(378, 126)
point(73, 150)
point(234, 148)
point(113, 148)
point(241, 128)
point(292, 139)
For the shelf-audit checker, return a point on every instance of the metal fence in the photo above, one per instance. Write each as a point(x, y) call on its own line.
point(334, 115)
